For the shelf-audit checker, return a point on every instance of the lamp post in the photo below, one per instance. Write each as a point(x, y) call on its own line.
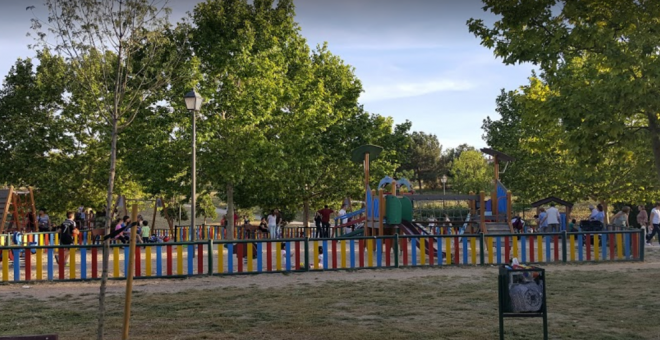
point(444, 186)
point(193, 104)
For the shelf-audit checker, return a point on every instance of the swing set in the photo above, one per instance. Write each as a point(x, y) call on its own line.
point(18, 210)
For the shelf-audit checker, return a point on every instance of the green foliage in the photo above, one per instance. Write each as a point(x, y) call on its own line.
point(204, 207)
point(546, 165)
point(424, 159)
point(171, 212)
point(599, 62)
point(471, 173)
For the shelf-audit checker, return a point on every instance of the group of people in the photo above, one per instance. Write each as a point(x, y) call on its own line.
point(650, 222)
point(143, 233)
point(322, 221)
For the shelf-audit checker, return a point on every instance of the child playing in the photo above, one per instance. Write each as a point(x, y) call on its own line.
point(320, 265)
point(145, 231)
point(571, 226)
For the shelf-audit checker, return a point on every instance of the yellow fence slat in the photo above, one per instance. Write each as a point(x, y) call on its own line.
point(179, 259)
point(343, 253)
point(147, 261)
point(115, 262)
point(448, 250)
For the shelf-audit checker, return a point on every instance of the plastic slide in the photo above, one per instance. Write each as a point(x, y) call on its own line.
point(409, 228)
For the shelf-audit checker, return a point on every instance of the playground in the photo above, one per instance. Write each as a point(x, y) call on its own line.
point(585, 302)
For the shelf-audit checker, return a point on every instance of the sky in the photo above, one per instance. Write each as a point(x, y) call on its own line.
point(416, 58)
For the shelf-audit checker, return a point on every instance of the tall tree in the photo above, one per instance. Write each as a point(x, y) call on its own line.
point(119, 54)
point(471, 173)
point(547, 165)
point(242, 48)
point(424, 158)
point(599, 58)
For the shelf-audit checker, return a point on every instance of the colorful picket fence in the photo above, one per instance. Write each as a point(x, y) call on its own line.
point(83, 262)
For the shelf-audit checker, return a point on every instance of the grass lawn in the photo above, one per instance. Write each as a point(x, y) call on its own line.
point(604, 301)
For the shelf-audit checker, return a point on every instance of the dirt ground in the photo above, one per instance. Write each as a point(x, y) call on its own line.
point(586, 301)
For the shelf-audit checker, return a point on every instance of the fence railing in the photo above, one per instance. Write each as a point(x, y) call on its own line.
point(83, 262)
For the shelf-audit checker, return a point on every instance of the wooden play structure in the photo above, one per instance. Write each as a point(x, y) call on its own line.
point(17, 207)
point(489, 216)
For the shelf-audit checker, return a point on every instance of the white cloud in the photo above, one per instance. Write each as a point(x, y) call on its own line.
point(403, 90)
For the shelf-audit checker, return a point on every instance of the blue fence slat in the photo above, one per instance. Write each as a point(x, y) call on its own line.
point(548, 253)
point(230, 258)
point(17, 265)
point(379, 253)
point(259, 256)
point(603, 248)
point(465, 250)
point(626, 247)
point(439, 242)
point(288, 256)
point(83, 263)
point(326, 254)
point(159, 261)
point(126, 261)
point(523, 249)
point(352, 245)
point(498, 243)
point(191, 251)
point(580, 248)
point(413, 246)
point(49, 264)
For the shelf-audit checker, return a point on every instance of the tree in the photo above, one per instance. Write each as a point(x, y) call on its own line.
point(599, 59)
point(242, 49)
point(424, 158)
point(119, 55)
point(451, 154)
point(621, 173)
point(471, 173)
point(205, 208)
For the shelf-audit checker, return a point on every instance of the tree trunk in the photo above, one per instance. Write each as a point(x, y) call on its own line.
point(607, 216)
point(230, 211)
point(108, 222)
point(306, 213)
point(654, 129)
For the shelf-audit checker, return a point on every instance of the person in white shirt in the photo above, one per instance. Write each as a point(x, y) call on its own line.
point(320, 265)
point(272, 224)
point(341, 213)
point(655, 221)
point(594, 212)
point(552, 218)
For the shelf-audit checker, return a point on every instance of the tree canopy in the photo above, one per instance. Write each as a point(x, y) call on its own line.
point(599, 60)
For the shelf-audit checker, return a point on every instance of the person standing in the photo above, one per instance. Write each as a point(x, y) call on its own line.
point(325, 221)
point(340, 214)
point(317, 223)
point(642, 217)
point(543, 220)
point(66, 236)
point(600, 215)
point(553, 218)
point(272, 224)
point(620, 220)
point(43, 221)
point(655, 221)
point(145, 232)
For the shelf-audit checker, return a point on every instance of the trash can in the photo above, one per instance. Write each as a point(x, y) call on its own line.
point(522, 295)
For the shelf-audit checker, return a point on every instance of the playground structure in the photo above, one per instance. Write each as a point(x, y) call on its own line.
point(18, 209)
point(392, 212)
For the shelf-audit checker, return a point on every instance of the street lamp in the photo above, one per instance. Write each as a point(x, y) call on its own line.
point(444, 186)
point(194, 104)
